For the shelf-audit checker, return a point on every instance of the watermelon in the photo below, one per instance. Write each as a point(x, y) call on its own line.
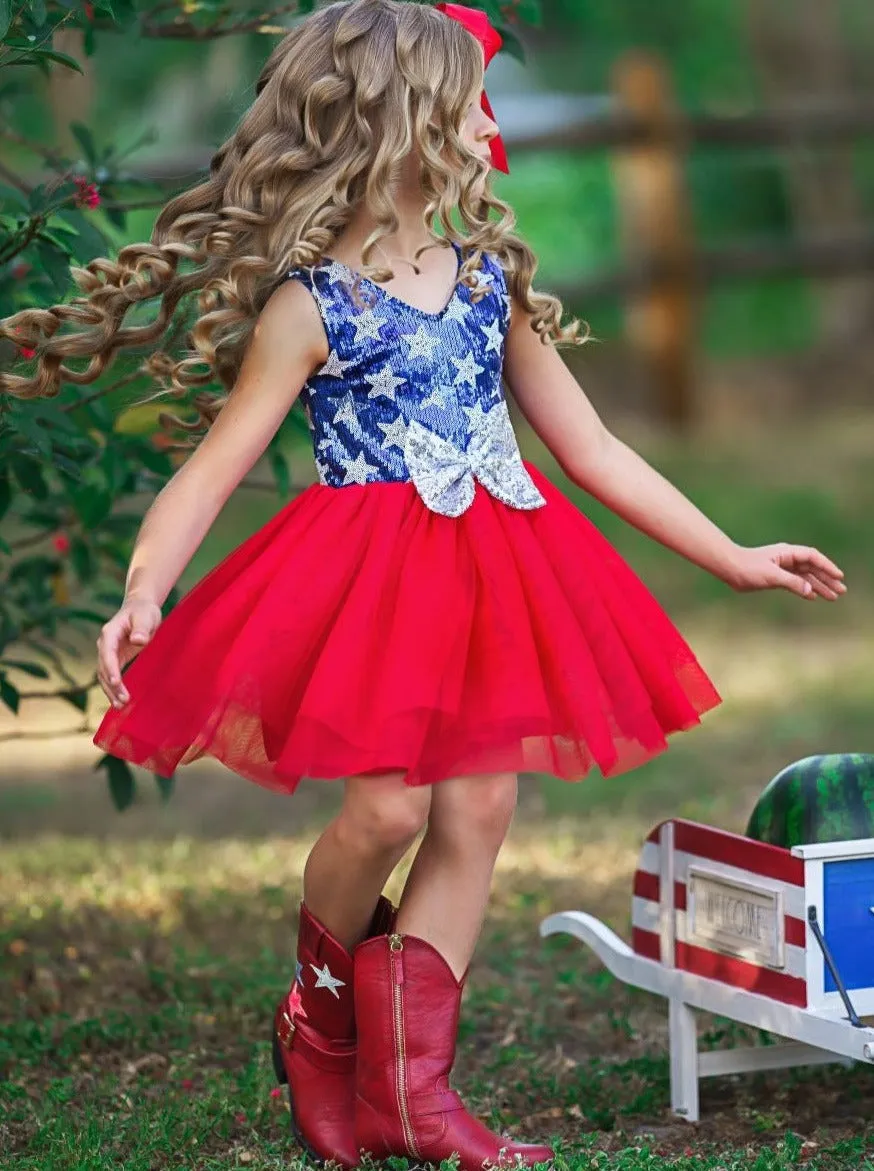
point(819, 799)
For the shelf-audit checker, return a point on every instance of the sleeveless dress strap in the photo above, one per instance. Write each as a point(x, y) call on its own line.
point(335, 302)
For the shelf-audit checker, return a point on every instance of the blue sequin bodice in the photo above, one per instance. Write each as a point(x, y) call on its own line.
point(410, 395)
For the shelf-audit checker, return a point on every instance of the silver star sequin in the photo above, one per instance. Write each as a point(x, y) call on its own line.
point(436, 397)
point(366, 325)
point(348, 413)
point(326, 980)
point(395, 432)
point(357, 470)
point(384, 382)
point(457, 311)
point(467, 369)
point(421, 343)
point(335, 366)
point(494, 336)
point(336, 272)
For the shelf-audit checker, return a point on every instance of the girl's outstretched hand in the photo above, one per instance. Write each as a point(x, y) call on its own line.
point(122, 637)
point(798, 568)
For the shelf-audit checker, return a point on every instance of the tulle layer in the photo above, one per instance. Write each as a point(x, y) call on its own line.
point(359, 632)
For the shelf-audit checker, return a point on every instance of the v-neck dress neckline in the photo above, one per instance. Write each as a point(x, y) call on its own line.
point(433, 316)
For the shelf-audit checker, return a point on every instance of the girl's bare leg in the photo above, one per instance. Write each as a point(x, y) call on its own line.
point(350, 863)
point(447, 890)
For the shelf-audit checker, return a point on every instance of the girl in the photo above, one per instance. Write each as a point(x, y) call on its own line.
point(432, 617)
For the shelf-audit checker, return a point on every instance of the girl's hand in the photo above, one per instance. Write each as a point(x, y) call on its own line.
point(122, 637)
point(797, 568)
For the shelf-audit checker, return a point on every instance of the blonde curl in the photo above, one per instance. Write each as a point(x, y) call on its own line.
point(341, 101)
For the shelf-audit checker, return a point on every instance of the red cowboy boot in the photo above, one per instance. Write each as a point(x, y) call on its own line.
point(407, 1003)
point(314, 1041)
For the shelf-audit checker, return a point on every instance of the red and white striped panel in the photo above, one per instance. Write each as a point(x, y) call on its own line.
point(733, 858)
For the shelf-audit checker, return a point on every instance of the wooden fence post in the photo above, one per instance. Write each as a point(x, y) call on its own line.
point(656, 234)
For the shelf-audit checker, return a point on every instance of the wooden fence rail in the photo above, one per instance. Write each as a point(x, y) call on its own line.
point(800, 126)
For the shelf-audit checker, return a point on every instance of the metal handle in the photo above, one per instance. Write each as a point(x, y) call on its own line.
point(832, 967)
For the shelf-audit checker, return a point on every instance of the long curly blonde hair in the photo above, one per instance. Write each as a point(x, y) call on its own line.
point(340, 102)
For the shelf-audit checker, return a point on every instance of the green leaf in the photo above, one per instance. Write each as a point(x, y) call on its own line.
point(165, 785)
point(121, 780)
point(512, 45)
point(36, 201)
point(85, 139)
point(153, 460)
point(49, 55)
point(5, 493)
point(92, 504)
point(12, 194)
point(9, 695)
point(87, 615)
point(5, 17)
point(29, 475)
point(31, 429)
point(38, 12)
point(83, 562)
point(92, 242)
point(63, 464)
point(36, 669)
point(530, 11)
point(55, 264)
point(77, 696)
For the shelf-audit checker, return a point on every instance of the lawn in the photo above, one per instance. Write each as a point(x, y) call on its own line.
point(143, 952)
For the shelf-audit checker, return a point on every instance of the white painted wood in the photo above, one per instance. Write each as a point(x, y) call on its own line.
point(823, 1031)
point(862, 1000)
point(667, 875)
point(815, 962)
point(684, 1059)
point(750, 1059)
point(645, 913)
point(793, 895)
point(857, 848)
point(649, 858)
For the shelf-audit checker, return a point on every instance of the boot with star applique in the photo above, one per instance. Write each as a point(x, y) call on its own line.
point(314, 1040)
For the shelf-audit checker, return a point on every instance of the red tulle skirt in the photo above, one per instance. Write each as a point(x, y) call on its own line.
point(359, 632)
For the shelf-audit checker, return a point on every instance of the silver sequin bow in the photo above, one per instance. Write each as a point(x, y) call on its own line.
point(444, 474)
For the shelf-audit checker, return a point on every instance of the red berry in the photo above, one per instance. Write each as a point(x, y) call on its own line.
point(61, 543)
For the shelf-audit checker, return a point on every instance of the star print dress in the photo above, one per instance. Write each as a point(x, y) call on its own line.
point(432, 606)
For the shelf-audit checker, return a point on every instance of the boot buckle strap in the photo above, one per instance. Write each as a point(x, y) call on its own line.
point(285, 1029)
point(438, 1102)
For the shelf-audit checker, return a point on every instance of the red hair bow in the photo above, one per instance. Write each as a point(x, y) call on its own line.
point(477, 23)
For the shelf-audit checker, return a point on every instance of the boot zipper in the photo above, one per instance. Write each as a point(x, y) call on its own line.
point(396, 946)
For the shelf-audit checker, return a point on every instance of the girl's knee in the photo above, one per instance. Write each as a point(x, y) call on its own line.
point(478, 809)
point(382, 818)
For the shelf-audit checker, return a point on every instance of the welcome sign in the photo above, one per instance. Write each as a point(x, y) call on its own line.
point(735, 917)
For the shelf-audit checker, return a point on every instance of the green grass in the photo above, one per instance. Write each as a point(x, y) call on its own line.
point(142, 981)
point(143, 953)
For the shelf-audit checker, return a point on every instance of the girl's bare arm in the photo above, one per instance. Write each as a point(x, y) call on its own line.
point(591, 456)
point(287, 344)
